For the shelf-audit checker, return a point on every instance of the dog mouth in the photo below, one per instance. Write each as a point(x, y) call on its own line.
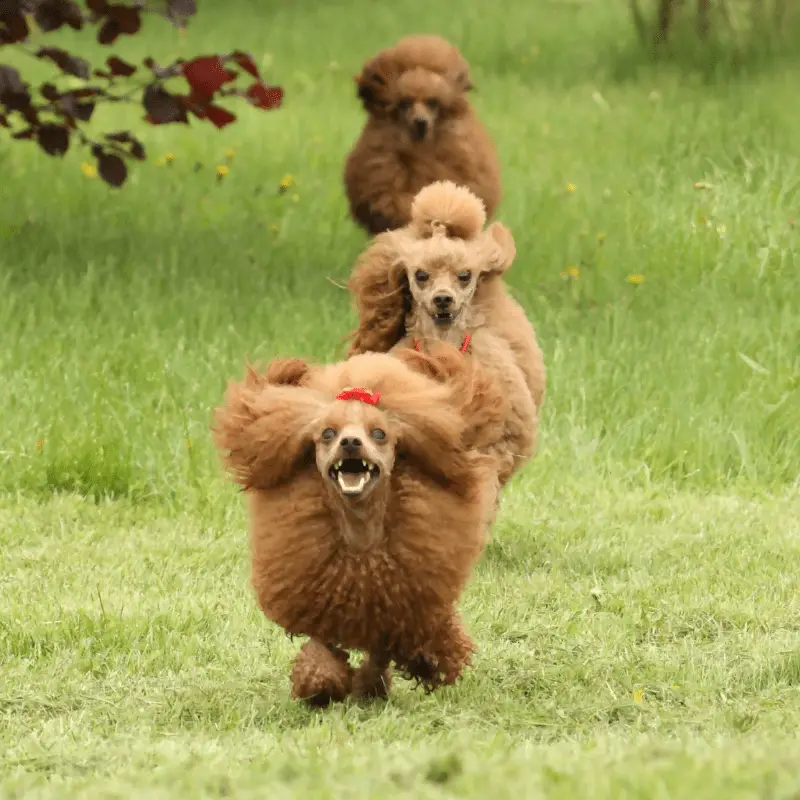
point(444, 318)
point(353, 475)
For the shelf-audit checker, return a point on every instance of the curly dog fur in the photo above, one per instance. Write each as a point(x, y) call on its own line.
point(421, 128)
point(445, 255)
point(376, 568)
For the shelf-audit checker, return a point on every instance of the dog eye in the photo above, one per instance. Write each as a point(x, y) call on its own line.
point(328, 434)
point(465, 276)
point(432, 104)
point(404, 105)
point(378, 435)
point(421, 276)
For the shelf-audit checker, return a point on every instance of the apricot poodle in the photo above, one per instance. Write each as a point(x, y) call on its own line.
point(421, 128)
point(367, 510)
point(441, 278)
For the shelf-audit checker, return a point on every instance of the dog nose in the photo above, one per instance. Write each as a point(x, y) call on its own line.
point(351, 444)
point(443, 301)
point(420, 128)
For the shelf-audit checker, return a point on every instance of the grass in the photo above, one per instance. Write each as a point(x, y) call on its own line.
point(637, 612)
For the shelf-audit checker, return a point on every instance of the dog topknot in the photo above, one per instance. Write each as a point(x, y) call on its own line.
point(445, 207)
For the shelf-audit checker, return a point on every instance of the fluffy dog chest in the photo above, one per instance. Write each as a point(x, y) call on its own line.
point(310, 583)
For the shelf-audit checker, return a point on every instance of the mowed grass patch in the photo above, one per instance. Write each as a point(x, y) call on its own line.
point(636, 612)
point(657, 628)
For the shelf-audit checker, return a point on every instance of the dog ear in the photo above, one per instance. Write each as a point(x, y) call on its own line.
point(371, 86)
point(379, 288)
point(264, 432)
point(482, 405)
point(429, 436)
point(498, 250)
point(288, 372)
point(463, 80)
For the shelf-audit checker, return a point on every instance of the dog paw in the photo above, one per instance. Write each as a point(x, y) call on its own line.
point(372, 681)
point(321, 675)
point(424, 670)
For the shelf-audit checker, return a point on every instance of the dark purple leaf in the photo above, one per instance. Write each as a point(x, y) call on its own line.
point(53, 139)
point(163, 107)
point(108, 32)
point(128, 19)
point(72, 65)
point(13, 28)
point(49, 92)
point(112, 169)
point(50, 15)
point(120, 67)
point(14, 94)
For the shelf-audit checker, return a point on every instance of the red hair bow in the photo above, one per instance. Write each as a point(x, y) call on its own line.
point(363, 395)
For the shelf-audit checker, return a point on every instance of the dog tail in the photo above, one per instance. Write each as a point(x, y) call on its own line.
point(446, 208)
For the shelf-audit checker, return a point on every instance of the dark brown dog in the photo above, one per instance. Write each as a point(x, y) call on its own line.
point(421, 129)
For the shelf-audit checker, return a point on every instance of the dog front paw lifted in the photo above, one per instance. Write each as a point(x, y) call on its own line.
point(321, 674)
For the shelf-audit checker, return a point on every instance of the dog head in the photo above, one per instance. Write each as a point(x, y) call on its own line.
point(428, 272)
point(417, 83)
point(423, 100)
point(297, 417)
point(354, 445)
point(444, 274)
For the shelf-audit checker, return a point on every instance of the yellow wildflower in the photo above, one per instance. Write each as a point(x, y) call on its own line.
point(571, 272)
point(275, 228)
point(635, 279)
point(89, 170)
point(287, 181)
point(167, 158)
point(638, 696)
point(601, 237)
point(222, 171)
point(230, 153)
point(570, 187)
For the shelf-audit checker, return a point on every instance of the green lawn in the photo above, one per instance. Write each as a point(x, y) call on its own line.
point(638, 612)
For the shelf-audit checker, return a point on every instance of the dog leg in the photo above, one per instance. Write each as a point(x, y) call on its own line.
point(321, 674)
point(443, 658)
point(373, 679)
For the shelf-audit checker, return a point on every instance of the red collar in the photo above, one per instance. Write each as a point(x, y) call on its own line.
point(464, 345)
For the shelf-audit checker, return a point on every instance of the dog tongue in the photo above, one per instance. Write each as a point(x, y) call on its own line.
point(352, 482)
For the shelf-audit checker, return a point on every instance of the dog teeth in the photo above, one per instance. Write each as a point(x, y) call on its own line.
point(355, 488)
point(364, 462)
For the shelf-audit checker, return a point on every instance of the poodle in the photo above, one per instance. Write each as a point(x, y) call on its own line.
point(440, 278)
point(421, 128)
point(367, 510)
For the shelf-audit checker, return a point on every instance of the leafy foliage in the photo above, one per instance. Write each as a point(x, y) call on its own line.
point(56, 118)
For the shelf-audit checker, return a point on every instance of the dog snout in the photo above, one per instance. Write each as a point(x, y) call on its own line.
point(443, 301)
point(351, 445)
point(419, 127)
